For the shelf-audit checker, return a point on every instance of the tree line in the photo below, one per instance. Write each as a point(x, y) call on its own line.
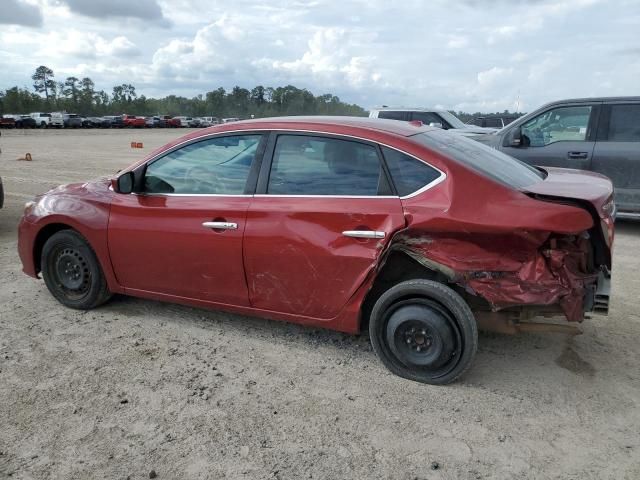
point(79, 95)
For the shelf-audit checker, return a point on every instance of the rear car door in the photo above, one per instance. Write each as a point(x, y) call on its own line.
point(562, 136)
point(323, 212)
point(617, 153)
point(182, 234)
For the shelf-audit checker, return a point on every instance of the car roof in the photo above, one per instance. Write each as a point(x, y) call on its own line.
point(394, 127)
point(597, 99)
point(408, 109)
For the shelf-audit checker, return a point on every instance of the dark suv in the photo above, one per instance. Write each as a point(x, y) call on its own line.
point(597, 134)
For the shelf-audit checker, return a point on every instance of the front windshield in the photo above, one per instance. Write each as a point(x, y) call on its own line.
point(454, 121)
point(485, 160)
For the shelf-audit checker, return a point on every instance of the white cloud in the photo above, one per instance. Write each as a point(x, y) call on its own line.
point(456, 41)
point(471, 55)
point(494, 75)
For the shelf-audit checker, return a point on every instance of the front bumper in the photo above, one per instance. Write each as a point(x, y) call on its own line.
point(27, 233)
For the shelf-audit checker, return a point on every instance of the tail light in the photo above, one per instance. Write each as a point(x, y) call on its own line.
point(609, 208)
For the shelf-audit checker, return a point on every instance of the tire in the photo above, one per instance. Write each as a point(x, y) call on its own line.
point(43, 125)
point(72, 272)
point(424, 331)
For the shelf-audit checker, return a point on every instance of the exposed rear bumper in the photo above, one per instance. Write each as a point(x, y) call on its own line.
point(597, 298)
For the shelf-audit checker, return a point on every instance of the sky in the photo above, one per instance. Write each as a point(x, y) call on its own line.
point(469, 55)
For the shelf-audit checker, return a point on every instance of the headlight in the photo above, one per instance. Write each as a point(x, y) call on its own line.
point(28, 205)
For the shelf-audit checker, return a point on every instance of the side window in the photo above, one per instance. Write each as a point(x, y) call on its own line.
point(307, 165)
point(408, 174)
point(624, 123)
point(391, 115)
point(559, 124)
point(215, 166)
point(429, 117)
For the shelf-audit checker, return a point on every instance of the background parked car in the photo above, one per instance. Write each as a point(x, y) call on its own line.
point(494, 121)
point(22, 121)
point(155, 122)
point(170, 121)
point(194, 122)
point(230, 119)
point(210, 121)
point(72, 120)
point(115, 121)
point(597, 134)
point(42, 119)
point(433, 117)
point(57, 119)
point(132, 121)
point(96, 122)
point(184, 121)
point(7, 122)
point(25, 121)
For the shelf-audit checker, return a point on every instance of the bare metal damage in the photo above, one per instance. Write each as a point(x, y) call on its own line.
point(507, 270)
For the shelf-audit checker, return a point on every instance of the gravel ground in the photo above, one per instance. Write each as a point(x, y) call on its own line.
point(137, 385)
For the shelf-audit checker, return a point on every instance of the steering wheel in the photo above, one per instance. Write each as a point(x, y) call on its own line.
point(201, 180)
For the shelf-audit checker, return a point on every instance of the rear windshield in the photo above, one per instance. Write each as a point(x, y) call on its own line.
point(489, 162)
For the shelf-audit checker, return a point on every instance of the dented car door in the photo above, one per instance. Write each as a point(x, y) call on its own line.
point(322, 217)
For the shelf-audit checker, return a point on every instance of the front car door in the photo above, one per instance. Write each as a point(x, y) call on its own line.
point(562, 136)
point(323, 214)
point(617, 153)
point(182, 234)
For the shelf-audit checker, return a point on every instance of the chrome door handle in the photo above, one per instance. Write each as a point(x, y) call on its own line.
point(363, 234)
point(221, 225)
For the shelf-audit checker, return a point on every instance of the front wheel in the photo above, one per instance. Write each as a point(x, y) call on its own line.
point(72, 272)
point(424, 331)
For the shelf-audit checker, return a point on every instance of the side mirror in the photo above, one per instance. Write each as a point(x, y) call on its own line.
point(435, 124)
point(515, 138)
point(125, 182)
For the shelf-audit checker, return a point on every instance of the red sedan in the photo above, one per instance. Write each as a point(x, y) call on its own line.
point(415, 233)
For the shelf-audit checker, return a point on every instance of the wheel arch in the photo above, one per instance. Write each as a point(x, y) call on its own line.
point(44, 234)
point(96, 243)
point(399, 266)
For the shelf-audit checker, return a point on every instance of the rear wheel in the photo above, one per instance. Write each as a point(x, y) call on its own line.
point(424, 331)
point(72, 272)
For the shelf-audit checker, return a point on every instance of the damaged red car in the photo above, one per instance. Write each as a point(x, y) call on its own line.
point(416, 234)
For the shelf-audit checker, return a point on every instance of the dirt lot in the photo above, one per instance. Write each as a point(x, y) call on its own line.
point(137, 386)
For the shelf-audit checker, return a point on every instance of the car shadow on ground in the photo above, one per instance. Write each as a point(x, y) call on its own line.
point(628, 227)
point(500, 358)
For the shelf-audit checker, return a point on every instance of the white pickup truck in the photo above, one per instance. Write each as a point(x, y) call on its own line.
point(43, 120)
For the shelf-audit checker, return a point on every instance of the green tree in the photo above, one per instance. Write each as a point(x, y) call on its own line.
point(43, 80)
point(257, 95)
point(72, 90)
